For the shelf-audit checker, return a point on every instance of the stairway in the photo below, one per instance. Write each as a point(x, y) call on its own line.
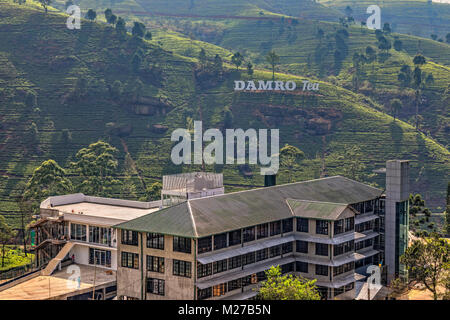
point(53, 264)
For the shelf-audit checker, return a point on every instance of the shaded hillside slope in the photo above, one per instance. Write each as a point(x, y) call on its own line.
point(40, 55)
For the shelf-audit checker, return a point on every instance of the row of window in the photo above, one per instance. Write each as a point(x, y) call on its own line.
point(100, 257)
point(364, 244)
point(348, 287)
point(363, 207)
point(204, 270)
point(344, 248)
point(343, 268)
point(156, 264)
point(365, 226)
point(344, 225)
point(322, 249)
point(248, 234)
point(223, 288)
point(156, 241)
point(98, 235)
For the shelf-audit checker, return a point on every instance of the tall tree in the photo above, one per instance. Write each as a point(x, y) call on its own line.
point(398, 45)
point(91, 15)
point(287, 287)
point(217, 65)
point(49, 179)
point(418, 61)
point(45, 4)
point(395, 106)
point(273, 59)
point(250, 69)
point(153, 191)
point(97, 167)
point(202, 58)
point(289, 159)
point(138, 29)
point(6, 235)
point(427, 262)
point(237, 59)
point(113, 19)
point(121, 26)
point(108, 14)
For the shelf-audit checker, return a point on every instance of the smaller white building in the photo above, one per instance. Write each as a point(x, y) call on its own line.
point(85, 222)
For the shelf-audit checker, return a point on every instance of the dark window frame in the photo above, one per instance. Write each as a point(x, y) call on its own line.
point(155, 241)
point(182, 268)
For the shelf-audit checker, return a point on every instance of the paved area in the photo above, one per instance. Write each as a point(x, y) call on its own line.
point(59, 284)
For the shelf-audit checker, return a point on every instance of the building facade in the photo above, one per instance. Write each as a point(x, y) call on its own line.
point(218, 247)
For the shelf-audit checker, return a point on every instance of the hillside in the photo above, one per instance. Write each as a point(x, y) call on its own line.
point(416, 17)
point(40, 55)
point(303, 52)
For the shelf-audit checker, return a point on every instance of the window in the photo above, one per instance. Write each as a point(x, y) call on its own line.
point(249, 234)
point(301, 266)
point(219, 290)
point(130, 260)
point(349, 287)
point(287, 247)
point(262, 254)
point(220, 241)
point(204, 244)
point(181, 268)
point(248, 280)
point(361, 227)
point(100, 235)
point(302, 246)
point(129, 237)
point(155, 286)
point(77, 232)
point(248, 258)
point(234, 262)
point(262, 231)
point(155, 241)
point(321, 249)
point(338, 291)
point(349, 224)
point(287, 225)
point(204, 293)
point(321, 270)
point(234, 237)
point(274, 251)
point(275, 228)
point(321, 227)
point(343, 268)
point(338, 227)
point(368, 206)
point(343, 248)
point(181, 244)
point(234, 284)
point(289, 267)
point(220, 266)
point(204, 270)
point(302, 225)
point(261, 276)
point(102, 257)
point(155, 264)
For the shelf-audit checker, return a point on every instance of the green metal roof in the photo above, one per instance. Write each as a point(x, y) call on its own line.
point(175, 220)
point(216, 214)
point(316, 210)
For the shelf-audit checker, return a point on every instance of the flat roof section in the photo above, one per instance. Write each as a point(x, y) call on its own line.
point(104, 210)
point(58, 285)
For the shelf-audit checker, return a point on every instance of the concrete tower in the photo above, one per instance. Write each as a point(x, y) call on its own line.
point(397, 216)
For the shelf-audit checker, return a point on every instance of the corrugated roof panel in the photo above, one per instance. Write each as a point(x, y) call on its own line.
point(232, 211)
